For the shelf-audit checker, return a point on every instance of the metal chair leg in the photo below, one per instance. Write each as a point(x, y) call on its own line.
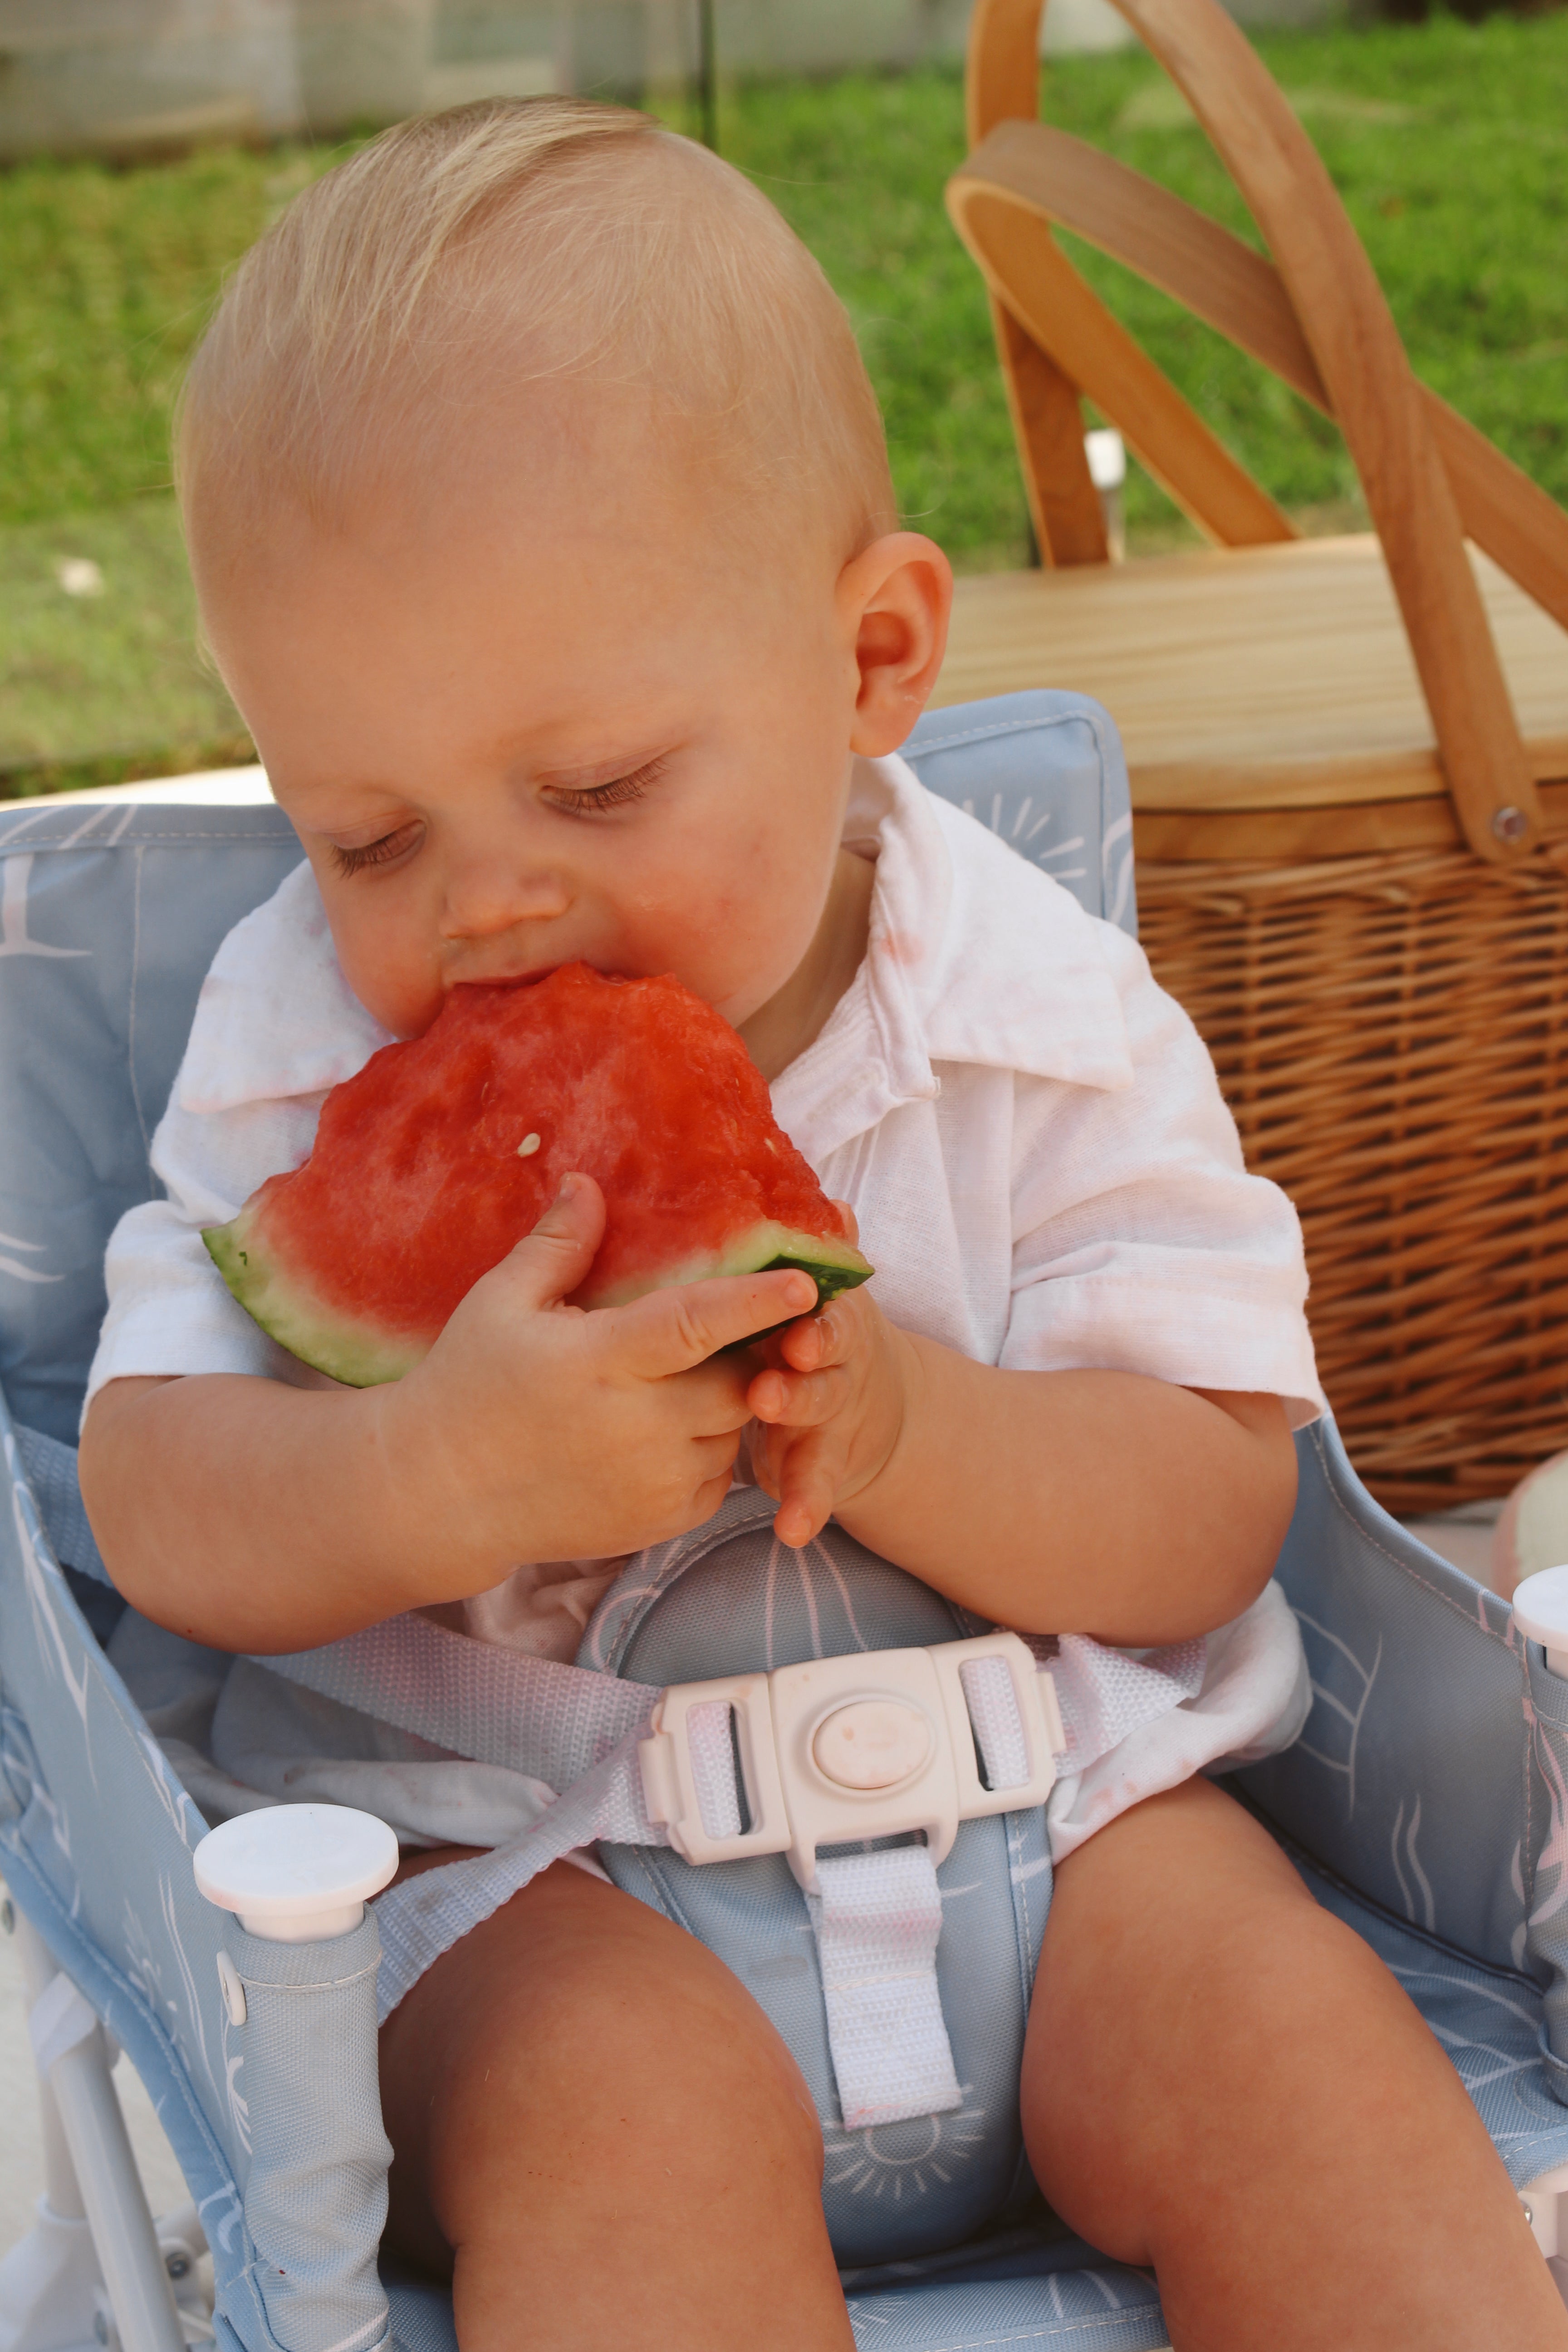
point(90, 2271)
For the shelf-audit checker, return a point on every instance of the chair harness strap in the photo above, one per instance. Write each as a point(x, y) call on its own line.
point(877, 1922)
point(493, 1705)
point(719, 1770)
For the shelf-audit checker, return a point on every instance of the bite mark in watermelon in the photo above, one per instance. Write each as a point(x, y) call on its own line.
point(442, 1153)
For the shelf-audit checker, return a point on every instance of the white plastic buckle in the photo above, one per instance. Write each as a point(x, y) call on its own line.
point(794, 1805)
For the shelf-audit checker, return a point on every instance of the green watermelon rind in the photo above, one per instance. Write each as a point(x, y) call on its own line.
point(364, 1356)
point(766, 1247)
point(324, 1337)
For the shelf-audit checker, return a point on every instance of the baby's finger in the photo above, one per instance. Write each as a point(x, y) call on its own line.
point(672, 1330)
point(851, 1222)
point(808, 1487)
point(549, 1263)
point(711, 1457)
point(796, 1400)
point(710, 1400)
point(819, 1340)
point(766, 1449)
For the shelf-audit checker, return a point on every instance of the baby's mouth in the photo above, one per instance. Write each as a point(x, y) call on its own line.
point(514, 973)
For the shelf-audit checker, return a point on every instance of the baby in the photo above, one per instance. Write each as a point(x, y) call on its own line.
point(542, 529)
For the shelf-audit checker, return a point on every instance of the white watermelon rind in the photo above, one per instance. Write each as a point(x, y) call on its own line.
point(364, 1356)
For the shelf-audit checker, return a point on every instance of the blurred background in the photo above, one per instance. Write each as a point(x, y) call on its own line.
point(144, 144)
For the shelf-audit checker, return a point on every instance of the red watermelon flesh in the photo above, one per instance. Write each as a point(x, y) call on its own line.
point(441, 1153)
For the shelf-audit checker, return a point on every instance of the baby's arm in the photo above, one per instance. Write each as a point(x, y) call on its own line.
point(1092, 1502)
point(260, 1517)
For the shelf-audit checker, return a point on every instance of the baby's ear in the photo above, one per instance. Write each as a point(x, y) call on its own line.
point(895, 597)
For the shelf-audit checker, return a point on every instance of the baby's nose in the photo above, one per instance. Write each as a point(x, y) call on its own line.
point(488, 899)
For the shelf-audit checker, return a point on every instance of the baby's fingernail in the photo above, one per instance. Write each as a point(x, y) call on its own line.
point(569, 1188)
point(801, 1292)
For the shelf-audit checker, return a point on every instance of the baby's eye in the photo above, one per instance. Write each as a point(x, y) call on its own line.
point(614, 794)
point(376, 853)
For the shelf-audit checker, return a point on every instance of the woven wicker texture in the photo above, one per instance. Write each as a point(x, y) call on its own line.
point(1392, 1035)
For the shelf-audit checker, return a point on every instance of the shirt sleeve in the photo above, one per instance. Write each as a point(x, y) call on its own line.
point(169, 1310)
point(1141, 1244)
point(275, 1028)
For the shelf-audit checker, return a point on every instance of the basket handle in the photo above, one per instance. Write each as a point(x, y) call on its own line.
point(1340, 335)
point(1071, 185)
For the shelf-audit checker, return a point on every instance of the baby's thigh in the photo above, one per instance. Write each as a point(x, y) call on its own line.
point(1187, 1983)
point(578, 2056)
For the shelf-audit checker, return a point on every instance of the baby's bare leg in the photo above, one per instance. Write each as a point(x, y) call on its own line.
point(603, 2139)
point(1222, 2080)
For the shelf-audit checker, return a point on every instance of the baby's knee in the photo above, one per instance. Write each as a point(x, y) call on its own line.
point(623, 2014)
point(582, 2050)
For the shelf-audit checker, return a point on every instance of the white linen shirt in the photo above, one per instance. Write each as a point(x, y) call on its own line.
point(1029, 1130)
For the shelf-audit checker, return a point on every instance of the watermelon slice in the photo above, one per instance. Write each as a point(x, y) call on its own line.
point(440, 1154)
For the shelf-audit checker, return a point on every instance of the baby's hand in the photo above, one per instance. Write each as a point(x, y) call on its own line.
point(830, 1408)
point(536, 1430)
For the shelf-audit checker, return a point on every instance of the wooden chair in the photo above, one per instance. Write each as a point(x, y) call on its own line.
point(1349, 757)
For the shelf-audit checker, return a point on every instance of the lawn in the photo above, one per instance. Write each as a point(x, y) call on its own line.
point(1448, 141)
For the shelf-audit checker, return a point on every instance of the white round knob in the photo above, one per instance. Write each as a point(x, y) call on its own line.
point(297, 1873)
point(1541, 1611)
point(872, 1743)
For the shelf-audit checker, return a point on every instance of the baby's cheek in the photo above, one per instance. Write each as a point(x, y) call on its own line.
point(390, 966)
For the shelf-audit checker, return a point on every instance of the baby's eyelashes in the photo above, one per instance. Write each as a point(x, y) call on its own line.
point(382, 852)
point(615, 792)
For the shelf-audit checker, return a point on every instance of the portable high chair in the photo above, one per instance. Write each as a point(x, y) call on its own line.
point(1427, 1802)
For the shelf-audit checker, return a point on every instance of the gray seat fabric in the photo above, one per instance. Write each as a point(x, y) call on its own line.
point(110, 917)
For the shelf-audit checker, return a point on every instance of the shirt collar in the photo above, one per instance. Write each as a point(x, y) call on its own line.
point(973, 956)
point(275, 1018)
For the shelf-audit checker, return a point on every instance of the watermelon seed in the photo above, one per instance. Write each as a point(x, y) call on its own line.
point(528, 1147)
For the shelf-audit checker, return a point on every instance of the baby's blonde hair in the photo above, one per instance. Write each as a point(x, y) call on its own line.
point(463, 256)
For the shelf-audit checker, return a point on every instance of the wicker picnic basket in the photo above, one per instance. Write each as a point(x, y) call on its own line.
point(1370, 930)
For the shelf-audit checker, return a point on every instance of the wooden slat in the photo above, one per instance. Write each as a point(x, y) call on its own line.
point(1264, 678)
point(1236, 290)
point(1166, 240)
point(1503, 510)
point(1375, 828)
point(1002, 74)
point(1048, 425)
point(1024, 267)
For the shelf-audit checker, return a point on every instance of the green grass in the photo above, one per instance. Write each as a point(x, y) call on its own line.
point(1450, 143)
point(106, 683)
point(108, 277)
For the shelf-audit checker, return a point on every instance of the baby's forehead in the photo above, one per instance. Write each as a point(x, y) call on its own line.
point(411, 294)
point(585, 482)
